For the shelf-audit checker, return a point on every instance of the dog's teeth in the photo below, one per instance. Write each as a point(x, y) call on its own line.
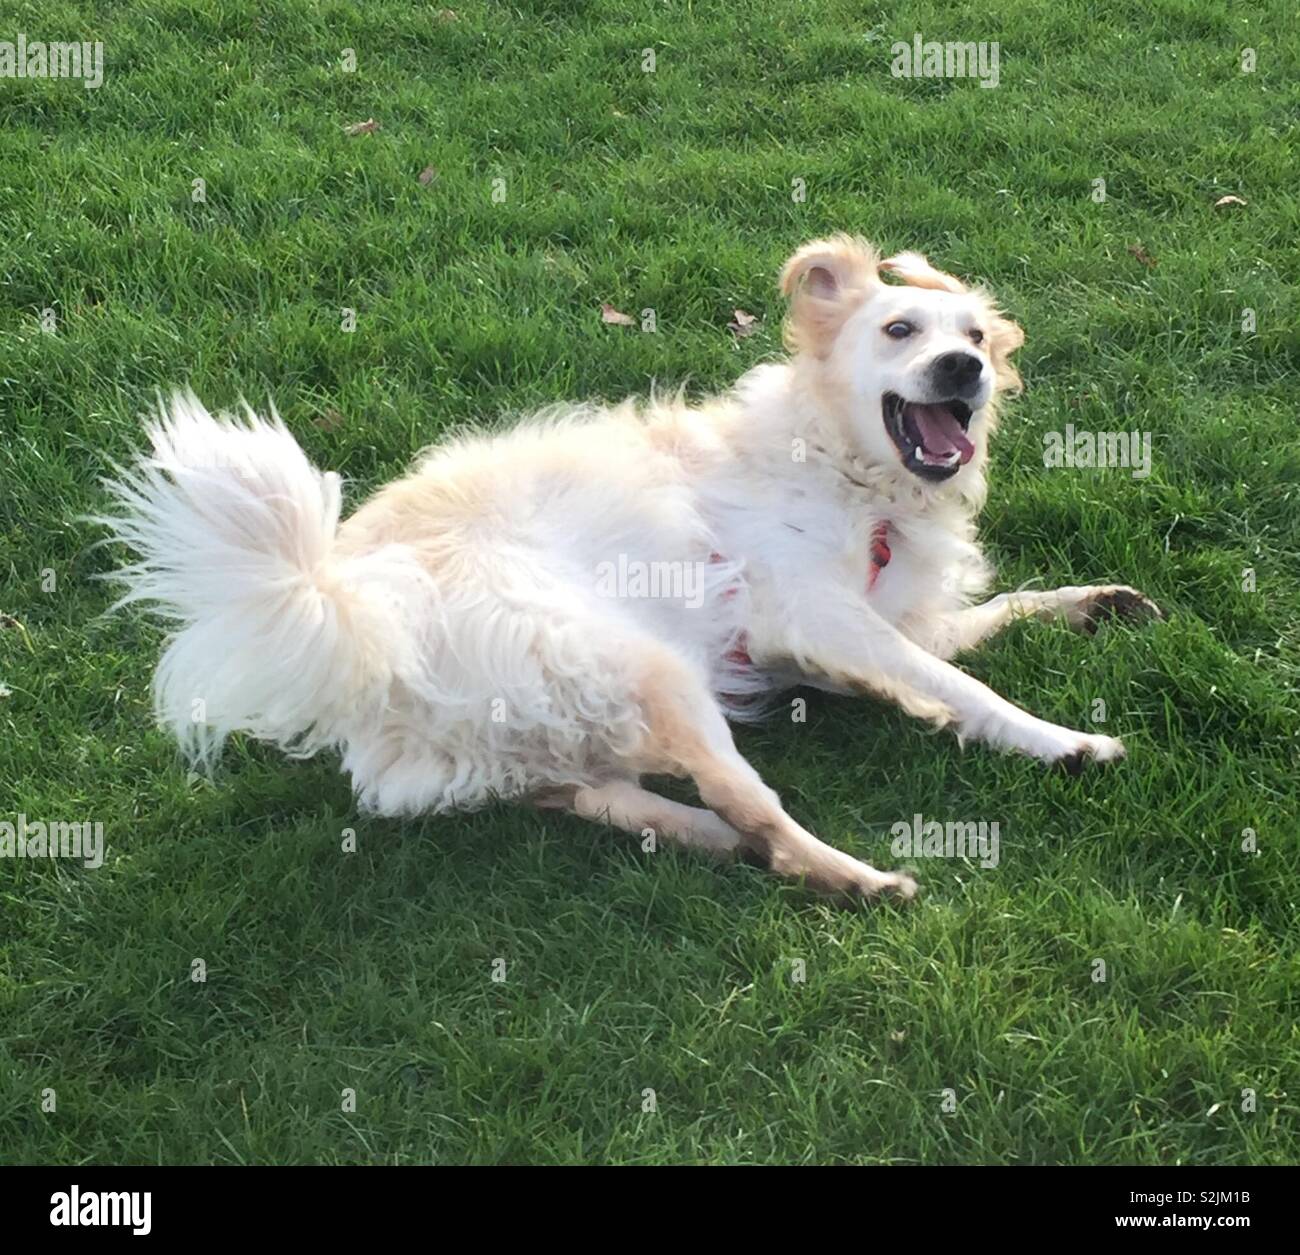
point(919, 454)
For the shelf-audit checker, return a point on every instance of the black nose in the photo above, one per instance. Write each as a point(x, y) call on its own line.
point(957, 373)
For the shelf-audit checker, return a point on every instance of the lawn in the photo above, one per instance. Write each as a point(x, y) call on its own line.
point(519, 986)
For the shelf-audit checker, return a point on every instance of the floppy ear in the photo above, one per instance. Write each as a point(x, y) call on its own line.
point(827, 280)
point(915, 269)
point(1005, 337)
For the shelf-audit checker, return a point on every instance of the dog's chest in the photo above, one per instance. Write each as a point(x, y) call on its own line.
point(901, 568)
point(898, 563)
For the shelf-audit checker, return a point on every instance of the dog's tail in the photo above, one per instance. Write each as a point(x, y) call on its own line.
point(275, 633)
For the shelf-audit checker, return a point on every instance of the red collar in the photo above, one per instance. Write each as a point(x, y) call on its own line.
point(880, 554)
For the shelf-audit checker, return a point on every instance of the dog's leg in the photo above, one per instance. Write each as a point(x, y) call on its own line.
point(626, 805)
point(838, 634)
point(688, 735)
point(1082, 608)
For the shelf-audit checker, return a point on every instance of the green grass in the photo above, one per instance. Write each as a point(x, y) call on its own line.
point(625, 971)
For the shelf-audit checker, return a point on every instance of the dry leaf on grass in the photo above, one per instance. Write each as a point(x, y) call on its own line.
point(1228, 200)
point(1142, 255)
point(614, 317)
point(742, 324)
point(368, 127)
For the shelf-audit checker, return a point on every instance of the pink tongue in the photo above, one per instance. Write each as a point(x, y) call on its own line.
point(941, 433)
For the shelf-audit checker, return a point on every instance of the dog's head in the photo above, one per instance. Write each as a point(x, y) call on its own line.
point(913, 368)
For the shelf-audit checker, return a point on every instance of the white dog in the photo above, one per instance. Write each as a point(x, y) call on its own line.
point(553, 613)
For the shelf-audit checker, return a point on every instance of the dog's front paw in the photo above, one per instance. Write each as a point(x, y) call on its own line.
point(888, 885)
point(1089, 749)
point(1112, 601)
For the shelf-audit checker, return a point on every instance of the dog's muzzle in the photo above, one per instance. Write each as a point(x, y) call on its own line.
point(931, 436)
point(956, 375)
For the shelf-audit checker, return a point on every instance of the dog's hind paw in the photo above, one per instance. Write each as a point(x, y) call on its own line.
point(847, 880)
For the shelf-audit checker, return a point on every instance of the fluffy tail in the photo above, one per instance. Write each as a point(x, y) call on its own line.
point(274, 633)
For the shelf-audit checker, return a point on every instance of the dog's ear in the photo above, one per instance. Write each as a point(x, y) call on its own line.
point(826, 281)
point(915, 269)
point(1005, 337)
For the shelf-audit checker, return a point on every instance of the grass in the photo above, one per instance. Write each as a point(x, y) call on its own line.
point(627, 972)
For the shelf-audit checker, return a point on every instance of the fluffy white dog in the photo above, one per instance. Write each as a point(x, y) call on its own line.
point(552, 613)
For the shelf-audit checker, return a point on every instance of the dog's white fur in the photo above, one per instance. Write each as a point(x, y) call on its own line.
point(452, 638)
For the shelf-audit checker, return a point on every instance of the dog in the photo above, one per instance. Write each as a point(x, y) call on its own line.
point(552, 613)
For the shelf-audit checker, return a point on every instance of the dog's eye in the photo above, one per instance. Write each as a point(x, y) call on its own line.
point(977, 336)
point(899, 330)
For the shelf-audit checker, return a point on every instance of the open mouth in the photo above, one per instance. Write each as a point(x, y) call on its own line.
point(931, 437)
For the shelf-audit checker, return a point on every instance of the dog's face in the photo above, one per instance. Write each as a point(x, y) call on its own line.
point(920, 367)
point(912, 367)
